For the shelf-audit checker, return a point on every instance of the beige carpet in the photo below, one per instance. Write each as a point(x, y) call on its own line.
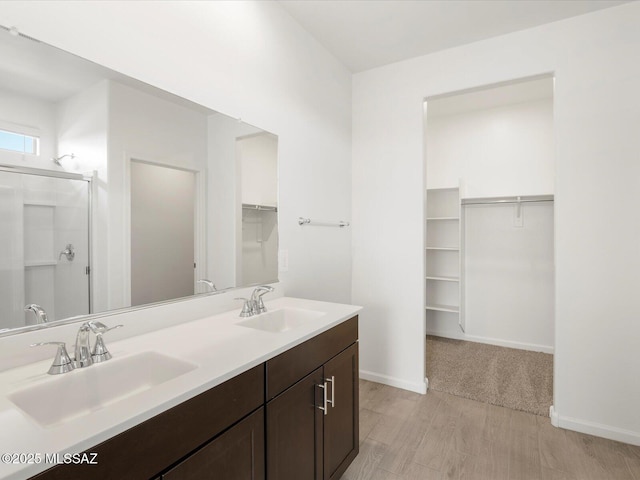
point(511, 378)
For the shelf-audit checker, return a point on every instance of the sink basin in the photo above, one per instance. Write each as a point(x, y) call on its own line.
point(281, 320)
point(83, 391)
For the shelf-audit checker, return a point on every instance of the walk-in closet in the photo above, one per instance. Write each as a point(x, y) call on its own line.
point(489, 243)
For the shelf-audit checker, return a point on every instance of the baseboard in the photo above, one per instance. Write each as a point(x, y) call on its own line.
point(418, 387)
point(553, 415)
point(494, 341)
point(597, 429)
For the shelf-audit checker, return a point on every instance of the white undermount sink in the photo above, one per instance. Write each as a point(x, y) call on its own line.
point(83, 391)
point(281, 320)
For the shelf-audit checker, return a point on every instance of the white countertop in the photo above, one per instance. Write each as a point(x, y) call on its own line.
point(218, 347)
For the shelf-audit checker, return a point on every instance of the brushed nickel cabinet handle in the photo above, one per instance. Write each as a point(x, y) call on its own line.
point(324, 398)
point(333, 391)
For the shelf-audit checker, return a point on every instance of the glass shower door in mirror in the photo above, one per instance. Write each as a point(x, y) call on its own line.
point(44, 259)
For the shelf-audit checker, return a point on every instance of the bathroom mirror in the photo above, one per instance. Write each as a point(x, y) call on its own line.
point(115, 194)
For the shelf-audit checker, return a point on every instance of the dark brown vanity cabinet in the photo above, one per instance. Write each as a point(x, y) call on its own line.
point(190, 437)
point(312, 426)
point(265, 423)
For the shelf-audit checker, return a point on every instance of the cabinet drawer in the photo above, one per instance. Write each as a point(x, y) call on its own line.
point(237, 454)
point(147, 449)
point(290, 366)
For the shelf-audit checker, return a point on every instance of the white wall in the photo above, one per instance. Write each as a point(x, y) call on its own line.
point(596, 62)
point(500, 151)
point(508, 279)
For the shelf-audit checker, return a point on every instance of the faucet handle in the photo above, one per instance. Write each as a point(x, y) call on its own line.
point(99, 328)
point(247, 308)
point(62, 362)
point(258, 293)
point(100, 352)
point(262, 289)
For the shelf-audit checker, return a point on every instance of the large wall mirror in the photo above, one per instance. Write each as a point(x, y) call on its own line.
point(115, 194)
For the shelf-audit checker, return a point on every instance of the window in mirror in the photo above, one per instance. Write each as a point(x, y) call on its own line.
point(18, 142)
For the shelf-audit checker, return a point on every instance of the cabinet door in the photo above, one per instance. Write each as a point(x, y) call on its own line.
point(237, 454)
point(294, 431)
point(341, 422)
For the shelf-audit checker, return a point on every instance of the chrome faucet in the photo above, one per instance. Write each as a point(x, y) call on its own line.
point(82, 357)
point(209, 284)
point(62, 363)
point(38, 311)
point(254, 305)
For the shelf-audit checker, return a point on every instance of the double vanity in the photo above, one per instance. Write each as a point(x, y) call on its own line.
point(269, 395)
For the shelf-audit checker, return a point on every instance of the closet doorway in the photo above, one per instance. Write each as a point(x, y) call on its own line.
point(489, 252)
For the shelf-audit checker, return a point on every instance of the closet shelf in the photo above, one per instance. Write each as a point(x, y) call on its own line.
point(443, 278)
point(443, 308)
point(444, 271)
point(262, 208)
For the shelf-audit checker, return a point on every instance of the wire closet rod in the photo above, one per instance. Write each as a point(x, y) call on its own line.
point(507, 200)
point(308, 221)
point(265, 208)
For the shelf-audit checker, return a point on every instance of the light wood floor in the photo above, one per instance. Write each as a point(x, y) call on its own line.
point(407, 436)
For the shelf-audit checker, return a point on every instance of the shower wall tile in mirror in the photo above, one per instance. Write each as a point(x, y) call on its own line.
point(161, 198)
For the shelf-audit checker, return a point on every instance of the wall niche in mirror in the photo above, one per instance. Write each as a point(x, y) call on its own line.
point(160, 198)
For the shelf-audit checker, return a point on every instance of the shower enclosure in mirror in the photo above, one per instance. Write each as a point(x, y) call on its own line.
point(184, 199)
point(45, 238)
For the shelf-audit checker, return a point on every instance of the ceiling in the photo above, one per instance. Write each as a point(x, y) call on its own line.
point(365, 34)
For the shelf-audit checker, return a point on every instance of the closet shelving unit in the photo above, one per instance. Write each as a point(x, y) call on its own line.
point(443, 254)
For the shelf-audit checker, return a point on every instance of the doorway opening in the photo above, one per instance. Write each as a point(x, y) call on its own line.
point(163, 232)
point(489, 252)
